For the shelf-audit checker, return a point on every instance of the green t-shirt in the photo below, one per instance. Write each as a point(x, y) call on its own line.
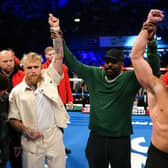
point(110, 103)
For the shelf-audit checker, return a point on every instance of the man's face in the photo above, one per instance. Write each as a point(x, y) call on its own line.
point(50, 55)
point(32, 72)
point(112, 68)
point(7, 62)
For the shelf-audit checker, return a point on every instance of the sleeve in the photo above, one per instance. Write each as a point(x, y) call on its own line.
point(68, 86)
point(153, 58)
point(53, 74)
point(13, 108)
point(16, 59)
point(81, 69)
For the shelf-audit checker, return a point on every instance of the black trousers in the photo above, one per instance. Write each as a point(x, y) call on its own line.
point(15, 153)
point(102, 150)
point(156, 158)
point(4, 142)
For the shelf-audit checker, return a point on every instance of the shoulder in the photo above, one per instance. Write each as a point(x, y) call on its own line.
point(16, 91)
point(156, 86)
point(21, 72)
point(18, 87)
point(129, 73)
point(18, 77)
point(45, 65)
point(64, 67)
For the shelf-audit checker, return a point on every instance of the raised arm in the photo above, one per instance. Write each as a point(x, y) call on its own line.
point(153, 57)
point(84, 71)
point(57, 44)
point(142, 69)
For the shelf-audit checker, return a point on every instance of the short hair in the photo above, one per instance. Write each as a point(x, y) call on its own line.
point(47, 49)
point(6, 51)
point(31, 57)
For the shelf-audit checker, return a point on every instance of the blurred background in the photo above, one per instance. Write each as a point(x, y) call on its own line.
point(90, 26)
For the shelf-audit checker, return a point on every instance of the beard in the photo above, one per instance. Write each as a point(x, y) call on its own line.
point(33, 79)
point(112, 73)
point(8, 71)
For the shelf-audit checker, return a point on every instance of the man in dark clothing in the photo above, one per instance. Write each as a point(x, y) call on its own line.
point(4, 136)
point(10, 70)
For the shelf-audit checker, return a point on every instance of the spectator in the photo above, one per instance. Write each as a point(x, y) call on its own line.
point(165, 78)
point(4, 135)
point(64, 87)
point(10, 70)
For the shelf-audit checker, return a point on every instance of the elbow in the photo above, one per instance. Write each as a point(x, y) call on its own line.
point(134, 55)
point(133, 58)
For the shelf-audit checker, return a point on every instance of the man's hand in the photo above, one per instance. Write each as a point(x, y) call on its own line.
point(70, 105)
point(53, 21)
point(155, 16)
point(32, 135)
point(54, 27)
point(56, 35)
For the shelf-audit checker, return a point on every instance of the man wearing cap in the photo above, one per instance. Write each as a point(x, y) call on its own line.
point(112, 94)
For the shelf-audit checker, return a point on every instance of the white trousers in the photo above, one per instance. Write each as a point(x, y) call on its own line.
point(50, 150)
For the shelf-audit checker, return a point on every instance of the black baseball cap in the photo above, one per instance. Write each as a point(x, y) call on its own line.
point(114, 54)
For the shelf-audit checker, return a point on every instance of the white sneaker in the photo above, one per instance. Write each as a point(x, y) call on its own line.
point(68, 122)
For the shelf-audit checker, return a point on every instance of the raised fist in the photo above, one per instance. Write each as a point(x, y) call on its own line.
point(155, 16)
point(53, 21)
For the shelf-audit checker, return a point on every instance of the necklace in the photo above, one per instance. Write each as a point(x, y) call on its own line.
point(112, 80)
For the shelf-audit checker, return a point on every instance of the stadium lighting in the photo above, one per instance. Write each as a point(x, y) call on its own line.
point(77, 20)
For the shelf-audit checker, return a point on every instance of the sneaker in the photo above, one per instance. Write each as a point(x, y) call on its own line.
point(68, 122)
point(67, 151)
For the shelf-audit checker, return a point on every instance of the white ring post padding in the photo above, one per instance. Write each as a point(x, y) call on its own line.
point(131, 68)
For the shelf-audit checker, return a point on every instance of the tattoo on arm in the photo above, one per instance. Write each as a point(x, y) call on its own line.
point(57, 43)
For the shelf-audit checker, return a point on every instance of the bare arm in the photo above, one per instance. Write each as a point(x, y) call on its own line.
point(57, 43)
point(142, 69)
